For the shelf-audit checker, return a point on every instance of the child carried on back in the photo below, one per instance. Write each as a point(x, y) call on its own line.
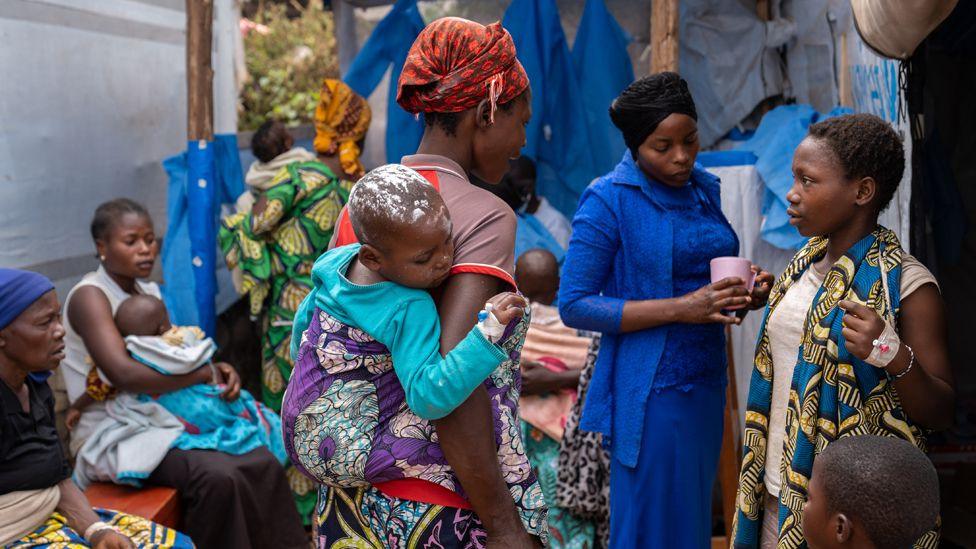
point(195, 417)
point(368, 369)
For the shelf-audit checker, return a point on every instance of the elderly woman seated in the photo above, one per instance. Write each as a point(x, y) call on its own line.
point(40, 506)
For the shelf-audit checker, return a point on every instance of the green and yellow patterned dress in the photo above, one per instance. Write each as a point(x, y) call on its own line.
point(275, 250)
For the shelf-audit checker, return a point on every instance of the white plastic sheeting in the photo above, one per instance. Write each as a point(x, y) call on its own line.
point(92, 98)
point(875, 90)
point(729, 66)
point(742, 198)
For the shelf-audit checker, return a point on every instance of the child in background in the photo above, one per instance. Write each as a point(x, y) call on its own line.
point(870, 492)
point(553, 358)
point(537, 275)
point(366, 341)
point(209, 422)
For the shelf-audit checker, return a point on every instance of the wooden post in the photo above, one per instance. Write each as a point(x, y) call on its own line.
point(200, 189)
point(844, 76)
point(762, 10)
point(664, 35)
point(199, 72)
point(728, 460)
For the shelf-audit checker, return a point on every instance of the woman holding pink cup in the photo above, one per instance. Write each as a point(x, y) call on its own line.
point(638, 270)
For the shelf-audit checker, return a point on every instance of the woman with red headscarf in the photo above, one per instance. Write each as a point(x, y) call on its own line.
point(464, 480)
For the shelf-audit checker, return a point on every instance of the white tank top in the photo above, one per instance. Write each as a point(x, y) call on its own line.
point(76, 364)
point(785, 330)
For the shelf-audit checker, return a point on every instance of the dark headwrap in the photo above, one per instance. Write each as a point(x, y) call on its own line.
point(455, 63)
point(645, 103)
point(18, 291)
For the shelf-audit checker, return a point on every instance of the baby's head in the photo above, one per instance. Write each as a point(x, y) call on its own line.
point(403, 225)
point(870, 492)
point(537, 276)
point(271, 140)
point(142, 315)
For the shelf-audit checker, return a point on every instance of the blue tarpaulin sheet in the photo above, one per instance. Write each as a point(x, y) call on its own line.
point(531, 234)
point(201, 178)
point(557, 137)
point(604, 70)
point(389, 44)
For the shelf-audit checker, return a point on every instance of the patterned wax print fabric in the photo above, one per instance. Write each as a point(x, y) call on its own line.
point(833, 394)
point(440, 76)
point(566, 530)
point(341, 120)
point(353, 429)
point(56, 534)
point(275, 250)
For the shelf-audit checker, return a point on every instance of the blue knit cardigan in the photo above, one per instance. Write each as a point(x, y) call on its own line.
point(621, 250)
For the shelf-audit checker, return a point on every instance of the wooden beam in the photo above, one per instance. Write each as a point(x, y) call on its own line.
point(844, 75)
point(762, 10)
point(664, 35)
point(199, 71)
point(728, 459)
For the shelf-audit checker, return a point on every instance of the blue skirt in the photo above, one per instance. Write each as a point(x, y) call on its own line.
point(666, 501)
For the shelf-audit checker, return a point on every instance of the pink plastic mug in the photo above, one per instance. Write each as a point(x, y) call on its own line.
point(733, 267)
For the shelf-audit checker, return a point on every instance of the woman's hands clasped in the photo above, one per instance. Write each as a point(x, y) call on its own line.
point(706, 305)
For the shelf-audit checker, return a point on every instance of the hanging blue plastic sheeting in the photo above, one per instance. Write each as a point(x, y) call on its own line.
point(557, 136)
point(780, 132)
point(207, 175)
point(530, 234)
point(604, 69)
point(389, 43)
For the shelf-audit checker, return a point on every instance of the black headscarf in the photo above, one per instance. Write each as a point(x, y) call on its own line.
point(645, 103)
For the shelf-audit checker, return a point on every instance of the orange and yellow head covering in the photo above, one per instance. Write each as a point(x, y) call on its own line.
point(341, 120)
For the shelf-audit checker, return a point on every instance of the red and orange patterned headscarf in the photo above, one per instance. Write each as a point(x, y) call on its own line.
point(455, 63)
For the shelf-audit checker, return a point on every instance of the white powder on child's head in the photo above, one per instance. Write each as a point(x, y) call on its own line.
point(394, 193)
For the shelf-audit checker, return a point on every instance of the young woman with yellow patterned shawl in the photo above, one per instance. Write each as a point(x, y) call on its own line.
point(823, 369)
point(289, 226)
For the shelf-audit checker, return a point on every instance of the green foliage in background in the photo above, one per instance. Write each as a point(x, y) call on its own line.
point(286, 63)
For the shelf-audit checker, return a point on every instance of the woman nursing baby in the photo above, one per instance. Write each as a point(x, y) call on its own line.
point(191, 418)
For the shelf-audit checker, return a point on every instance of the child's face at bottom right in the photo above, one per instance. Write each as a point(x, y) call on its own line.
point(816, 517)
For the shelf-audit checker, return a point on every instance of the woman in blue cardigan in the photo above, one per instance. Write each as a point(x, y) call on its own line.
point(637, 270)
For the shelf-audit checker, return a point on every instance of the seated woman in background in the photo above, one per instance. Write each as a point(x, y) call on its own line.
point(40, 506)
point(238, 501)
point(539, 224)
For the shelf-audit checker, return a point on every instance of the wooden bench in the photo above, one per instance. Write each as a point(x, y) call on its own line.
point(156, 503)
